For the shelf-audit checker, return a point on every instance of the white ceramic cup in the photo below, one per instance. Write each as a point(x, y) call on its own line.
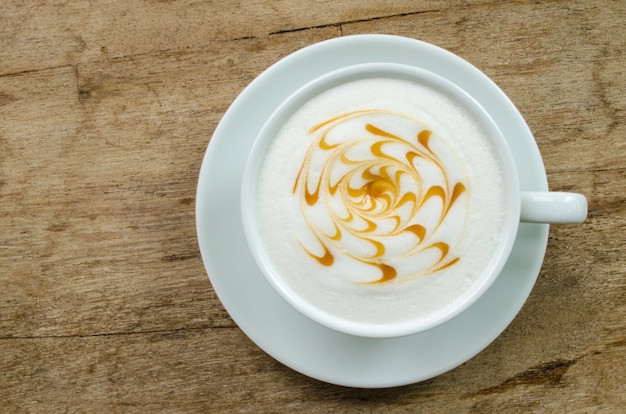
point(535, 207)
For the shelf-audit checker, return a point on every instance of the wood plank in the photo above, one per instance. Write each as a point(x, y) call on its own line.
point(99, 178)
point(114, 373)
point(219, 370)
point(58, 33)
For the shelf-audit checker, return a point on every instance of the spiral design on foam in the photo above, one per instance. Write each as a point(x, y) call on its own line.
point(361, 184)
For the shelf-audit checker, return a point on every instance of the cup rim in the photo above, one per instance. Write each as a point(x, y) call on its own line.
point(287, 108)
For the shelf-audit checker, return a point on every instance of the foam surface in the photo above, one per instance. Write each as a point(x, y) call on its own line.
point(334, 184)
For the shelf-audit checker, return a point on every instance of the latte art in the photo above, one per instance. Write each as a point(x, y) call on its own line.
point(379, 201)
point(378, 180)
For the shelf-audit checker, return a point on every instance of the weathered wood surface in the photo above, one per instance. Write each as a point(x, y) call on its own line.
point(106, 109)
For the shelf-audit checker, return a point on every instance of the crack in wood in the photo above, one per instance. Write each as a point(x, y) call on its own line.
point(547, 373)
point(113, 334)
point(340, 24)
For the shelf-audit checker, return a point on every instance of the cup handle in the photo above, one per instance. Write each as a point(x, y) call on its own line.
point(553, 207)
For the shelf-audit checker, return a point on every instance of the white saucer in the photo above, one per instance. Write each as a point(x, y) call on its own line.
point(284, 333)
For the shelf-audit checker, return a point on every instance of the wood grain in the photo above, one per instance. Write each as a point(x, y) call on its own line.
point(106, 109)
point(56, 33)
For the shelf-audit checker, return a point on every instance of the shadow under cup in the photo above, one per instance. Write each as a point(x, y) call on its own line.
point(265, 259)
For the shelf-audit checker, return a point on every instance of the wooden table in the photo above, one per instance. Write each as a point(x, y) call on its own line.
point(106, 110)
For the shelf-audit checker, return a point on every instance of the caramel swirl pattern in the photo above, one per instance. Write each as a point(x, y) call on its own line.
point(360, 184)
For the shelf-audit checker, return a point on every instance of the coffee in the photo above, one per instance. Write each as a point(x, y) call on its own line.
point(379, 201)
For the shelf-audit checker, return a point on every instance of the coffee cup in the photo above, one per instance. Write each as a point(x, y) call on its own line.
point(381, 200)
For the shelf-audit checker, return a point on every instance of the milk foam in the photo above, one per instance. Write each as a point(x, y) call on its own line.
point(298, 232)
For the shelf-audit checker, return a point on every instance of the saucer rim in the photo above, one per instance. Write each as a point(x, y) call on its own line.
point(361, 51)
